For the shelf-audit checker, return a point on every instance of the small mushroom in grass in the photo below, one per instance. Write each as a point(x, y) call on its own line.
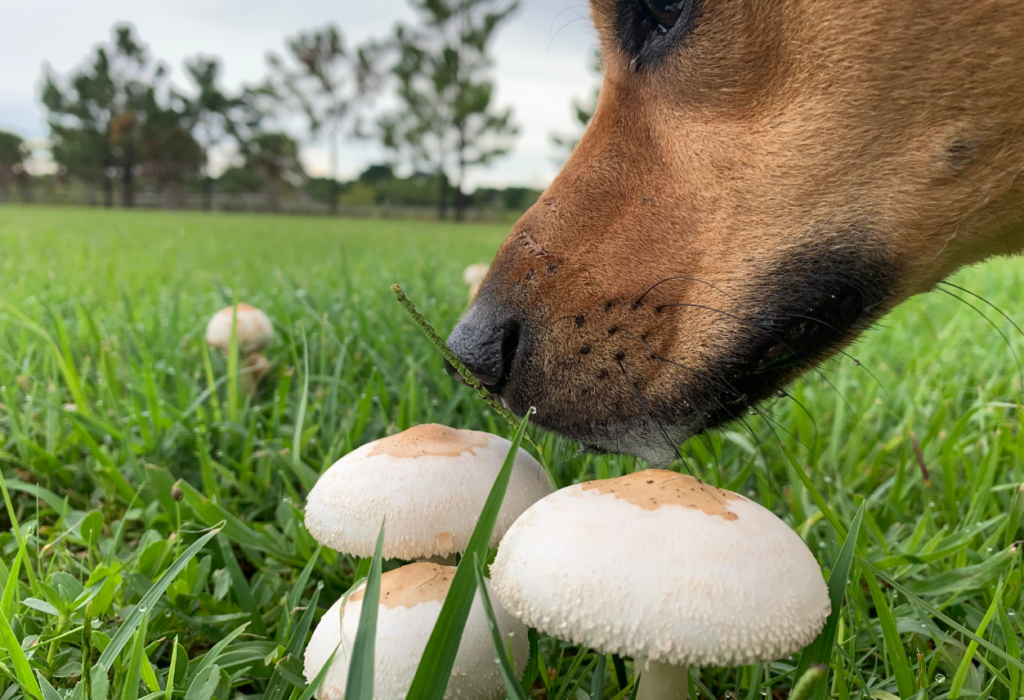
point(255, 331)
point(430, 482)
point(410, 601)
point(666, 569)
point(474, 276)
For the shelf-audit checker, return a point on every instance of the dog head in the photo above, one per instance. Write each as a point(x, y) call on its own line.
point(761, 181)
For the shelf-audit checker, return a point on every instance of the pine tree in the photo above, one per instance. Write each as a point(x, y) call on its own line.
point(446, 122)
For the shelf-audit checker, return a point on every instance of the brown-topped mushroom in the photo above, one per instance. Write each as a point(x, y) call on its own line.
point(254, 333)
point(410, 601)
point(430, 482)
point(665, 569)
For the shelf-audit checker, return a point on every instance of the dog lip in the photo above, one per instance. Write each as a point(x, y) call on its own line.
point(486, 380)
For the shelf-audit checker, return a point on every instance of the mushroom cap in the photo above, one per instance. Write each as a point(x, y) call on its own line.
point(411, 599)
point(660, 566)
point(255, 331)
point(475, 273)
point(430, 482)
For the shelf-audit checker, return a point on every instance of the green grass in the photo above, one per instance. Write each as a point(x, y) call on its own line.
point(106, 311)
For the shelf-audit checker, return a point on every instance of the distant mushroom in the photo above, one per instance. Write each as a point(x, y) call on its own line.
point(430, 482)
point(474, 276)
point(666, 569)
point(410, 601)
point(255, 331)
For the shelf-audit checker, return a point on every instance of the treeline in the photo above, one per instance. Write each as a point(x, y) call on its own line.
point(119, 122)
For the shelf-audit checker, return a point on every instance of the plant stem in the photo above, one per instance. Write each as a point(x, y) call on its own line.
point(474, 383)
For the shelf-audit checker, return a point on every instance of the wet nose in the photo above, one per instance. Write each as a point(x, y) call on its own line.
point(485, 340)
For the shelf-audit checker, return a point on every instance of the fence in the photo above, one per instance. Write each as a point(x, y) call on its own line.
point(256, 203)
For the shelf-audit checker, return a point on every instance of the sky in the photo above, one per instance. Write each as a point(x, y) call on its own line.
point(543, 57)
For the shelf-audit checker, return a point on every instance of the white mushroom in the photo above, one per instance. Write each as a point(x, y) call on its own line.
point(474, 276)
point(666, 569)
point(410, 601)
point(255, 331)
point(430, 482)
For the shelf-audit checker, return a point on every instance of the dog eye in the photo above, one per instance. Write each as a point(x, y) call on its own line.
point(665, 12)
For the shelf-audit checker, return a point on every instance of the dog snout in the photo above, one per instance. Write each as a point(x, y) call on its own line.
point(486, 340)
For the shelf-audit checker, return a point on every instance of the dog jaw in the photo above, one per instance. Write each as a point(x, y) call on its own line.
point(748, 200)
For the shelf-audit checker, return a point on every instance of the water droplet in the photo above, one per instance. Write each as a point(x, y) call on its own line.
point(519, 613)
point(764, 692)
point(940, 678)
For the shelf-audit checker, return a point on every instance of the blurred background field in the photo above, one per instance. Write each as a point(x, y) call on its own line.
point(108, 396)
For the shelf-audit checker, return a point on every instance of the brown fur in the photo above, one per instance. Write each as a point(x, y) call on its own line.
point(780, 140)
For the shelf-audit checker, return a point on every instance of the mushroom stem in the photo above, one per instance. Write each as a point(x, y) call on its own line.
point(660, 681)
point(254, 367)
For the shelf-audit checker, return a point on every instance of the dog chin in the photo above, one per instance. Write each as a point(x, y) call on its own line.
point(657, 445)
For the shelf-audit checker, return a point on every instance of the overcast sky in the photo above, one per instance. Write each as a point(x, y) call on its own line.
point(543, 58)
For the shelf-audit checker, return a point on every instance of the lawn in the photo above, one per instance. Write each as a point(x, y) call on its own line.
point(108, 396)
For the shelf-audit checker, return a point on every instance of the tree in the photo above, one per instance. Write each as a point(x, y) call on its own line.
point(168, 151)
point(328, 83)
point(583, 111)
point(13, 154)
point(275, 156)
point(209, 113)
point(97, 113)
point(445, 121)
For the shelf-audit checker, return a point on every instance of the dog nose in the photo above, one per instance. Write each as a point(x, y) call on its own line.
point(485, 340)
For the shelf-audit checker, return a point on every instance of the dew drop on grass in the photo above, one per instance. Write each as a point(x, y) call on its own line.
point(940, 678)
point(764, 692)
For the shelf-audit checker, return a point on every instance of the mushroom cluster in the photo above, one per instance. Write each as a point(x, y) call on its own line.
point(254, 331)
point(429, 483)
point(667, 570)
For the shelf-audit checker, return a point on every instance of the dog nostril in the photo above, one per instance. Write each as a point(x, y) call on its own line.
point(486, 346)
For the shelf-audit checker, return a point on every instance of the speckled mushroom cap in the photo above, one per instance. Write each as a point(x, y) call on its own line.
point(430, 481)
point(658, 565)
point(255, 331)
point(411, 599)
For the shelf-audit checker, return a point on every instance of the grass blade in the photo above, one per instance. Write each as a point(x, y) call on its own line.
point(820, 650)
point(212, 656)
point(508, 672)
point(240, 586)
point(965, 664)
point(938, 614)
point(314, 685)
point(435, 667)
point(22, 671)
point(893, 644)
point(359, 685)
point(127, 628)
point(130, 689)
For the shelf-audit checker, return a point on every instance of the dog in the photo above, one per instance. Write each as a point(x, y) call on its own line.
point(761, 181)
